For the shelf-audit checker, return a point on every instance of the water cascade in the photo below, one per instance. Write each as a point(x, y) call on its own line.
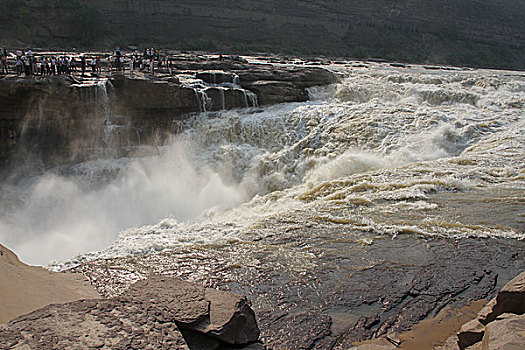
point(373, 144)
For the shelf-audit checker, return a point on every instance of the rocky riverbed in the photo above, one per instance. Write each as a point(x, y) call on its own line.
point(329, 301)
point(382, 200)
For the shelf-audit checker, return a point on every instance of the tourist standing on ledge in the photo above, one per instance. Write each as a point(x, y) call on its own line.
point(131, 66)
point(27, 65)
point(42, 66)
point(53, 65)
point(121, 63)
point(83, 65)
point(48, 67)
point(99, 65)
point(3, 68)
point(18, 65)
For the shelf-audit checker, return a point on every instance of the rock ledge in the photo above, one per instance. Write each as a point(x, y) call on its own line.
point(157, 313)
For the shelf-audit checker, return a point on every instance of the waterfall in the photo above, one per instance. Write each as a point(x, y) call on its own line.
point(103, 98)
point(204, 100)
point(254, 102)
point(236, 79)
point(250, 99)
point(223, 99)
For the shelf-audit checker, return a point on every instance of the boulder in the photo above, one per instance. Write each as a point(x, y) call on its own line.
point(225, 316)
point(179, 301)
point(197, 341)
point(505, 333)
point(471, 333)
point(487, 311)
point(231, 318)
point(511, 298)
point(271, 92)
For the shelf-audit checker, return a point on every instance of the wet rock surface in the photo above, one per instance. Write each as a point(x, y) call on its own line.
point(332, 305)
point(43, 118)
point(158, 313)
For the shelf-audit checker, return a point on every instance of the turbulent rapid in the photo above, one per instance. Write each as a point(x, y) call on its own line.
point(386, 152)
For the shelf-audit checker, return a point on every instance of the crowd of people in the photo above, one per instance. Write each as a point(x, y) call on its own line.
point(29, 64)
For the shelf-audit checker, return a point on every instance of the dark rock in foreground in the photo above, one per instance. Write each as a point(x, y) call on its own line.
point(159, 313)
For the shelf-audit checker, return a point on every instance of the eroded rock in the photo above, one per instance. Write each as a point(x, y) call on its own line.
point(231, 318)
point(511, 298)
point(221, 315)
point(471, 333)
point(507, 333)
point(101, 324)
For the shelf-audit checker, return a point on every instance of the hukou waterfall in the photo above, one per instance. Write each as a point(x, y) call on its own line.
point(377, 202)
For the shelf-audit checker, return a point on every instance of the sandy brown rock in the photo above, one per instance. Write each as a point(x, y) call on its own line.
point(451, 343)
point(147, 316)
point(179, 301)
point(487, 311)
point(507, 333)
point(373, 347)
point(231, 318)
point(92, 324)
point(221, 315)
point(471, 333)
point(26, 288)
point(511, 298)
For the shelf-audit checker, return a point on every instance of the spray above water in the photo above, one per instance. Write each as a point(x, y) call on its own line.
point(66, 215)
point(358, 154)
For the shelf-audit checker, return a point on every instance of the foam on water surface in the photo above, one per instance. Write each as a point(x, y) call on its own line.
point(369, 153)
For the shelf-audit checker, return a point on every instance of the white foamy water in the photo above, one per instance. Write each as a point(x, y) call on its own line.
point(369, 153)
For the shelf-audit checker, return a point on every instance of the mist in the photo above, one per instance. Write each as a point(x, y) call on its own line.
point(61, 216)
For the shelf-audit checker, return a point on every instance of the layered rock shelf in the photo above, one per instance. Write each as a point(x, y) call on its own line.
point(63, 118)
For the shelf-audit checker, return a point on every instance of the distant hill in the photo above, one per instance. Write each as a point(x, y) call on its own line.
point(488, 33)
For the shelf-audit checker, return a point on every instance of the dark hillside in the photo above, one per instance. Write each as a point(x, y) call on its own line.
point(487, 33)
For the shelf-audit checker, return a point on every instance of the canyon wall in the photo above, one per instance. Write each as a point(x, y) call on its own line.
point(485, 33)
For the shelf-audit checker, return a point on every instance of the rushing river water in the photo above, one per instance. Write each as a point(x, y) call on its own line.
point(393, 166)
